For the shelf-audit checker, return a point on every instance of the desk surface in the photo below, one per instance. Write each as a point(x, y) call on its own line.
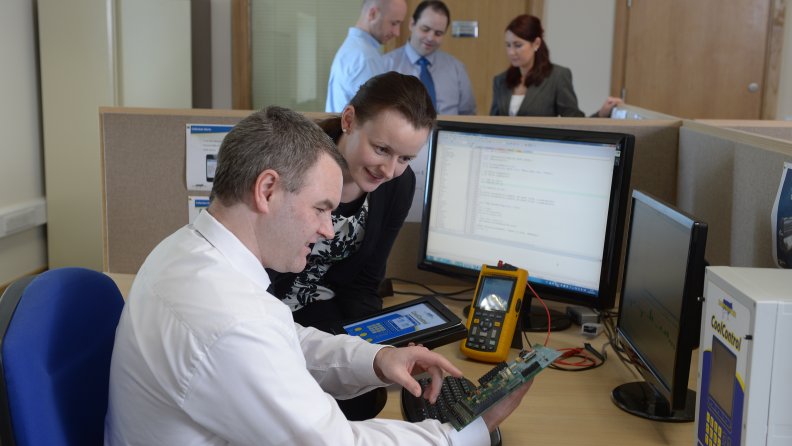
point(561, 408)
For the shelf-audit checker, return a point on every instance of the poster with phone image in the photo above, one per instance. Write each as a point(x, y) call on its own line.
point(211, 166)
point(202, 144)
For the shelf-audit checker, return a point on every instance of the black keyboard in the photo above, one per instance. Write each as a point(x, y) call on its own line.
point(416, 409)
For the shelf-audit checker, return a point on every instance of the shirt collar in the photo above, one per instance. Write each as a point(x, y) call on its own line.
point(357, 32)
point(231, 248)
point(413, 55)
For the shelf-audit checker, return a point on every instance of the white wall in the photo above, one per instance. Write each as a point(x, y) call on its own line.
point(221, 54)
point(21, 170)
point(77, 76)
point(98, 53)
point(154, 53)
point(579, 34)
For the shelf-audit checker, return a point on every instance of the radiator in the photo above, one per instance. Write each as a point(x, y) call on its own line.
point(22, 216)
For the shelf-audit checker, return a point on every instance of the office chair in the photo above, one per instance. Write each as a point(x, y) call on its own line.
point(56, 339)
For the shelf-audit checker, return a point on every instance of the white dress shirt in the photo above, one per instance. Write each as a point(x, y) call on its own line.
point(205, 356)
point(452, 84)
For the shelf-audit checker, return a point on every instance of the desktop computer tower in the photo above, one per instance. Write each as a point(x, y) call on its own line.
point(745, 358)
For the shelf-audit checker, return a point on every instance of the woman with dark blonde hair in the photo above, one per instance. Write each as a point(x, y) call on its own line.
point(532, 85)
point(383, 127)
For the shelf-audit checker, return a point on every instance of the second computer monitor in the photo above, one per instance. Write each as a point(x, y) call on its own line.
point(660, 308)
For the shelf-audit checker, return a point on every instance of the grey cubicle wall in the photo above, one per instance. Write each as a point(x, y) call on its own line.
point(143, 179)
point(729, 178)
point(144, 191)
point(725, 176)
point(145, 195)
point(771, 129)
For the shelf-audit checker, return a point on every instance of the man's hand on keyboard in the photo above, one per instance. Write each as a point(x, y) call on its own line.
point(398, 365)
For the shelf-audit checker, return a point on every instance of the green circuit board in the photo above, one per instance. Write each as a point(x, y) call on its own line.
point(499, 382)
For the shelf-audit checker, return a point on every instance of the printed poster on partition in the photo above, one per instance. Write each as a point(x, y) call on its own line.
point(203, 143)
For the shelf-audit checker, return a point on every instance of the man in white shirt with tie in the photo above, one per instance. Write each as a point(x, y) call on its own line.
point(446, 75)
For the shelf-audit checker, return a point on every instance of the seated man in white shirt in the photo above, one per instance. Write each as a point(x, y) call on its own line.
point(204, 355)
point(428, 26)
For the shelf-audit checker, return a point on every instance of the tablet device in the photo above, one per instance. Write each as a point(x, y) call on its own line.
point(422, 321)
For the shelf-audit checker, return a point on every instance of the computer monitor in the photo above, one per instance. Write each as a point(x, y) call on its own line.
point(549, 201)
point(660, 309)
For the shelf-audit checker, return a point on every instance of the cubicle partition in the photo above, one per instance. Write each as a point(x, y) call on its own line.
point(730, 178)
point(771, 129)
point(144, 190)
point(145, 194)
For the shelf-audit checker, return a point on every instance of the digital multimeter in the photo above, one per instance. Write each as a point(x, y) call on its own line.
point(494, 312)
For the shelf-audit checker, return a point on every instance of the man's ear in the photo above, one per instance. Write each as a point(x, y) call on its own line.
point(267, 183)
point(372, 12)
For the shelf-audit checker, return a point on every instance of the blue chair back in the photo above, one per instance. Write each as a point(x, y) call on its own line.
point(56, 340)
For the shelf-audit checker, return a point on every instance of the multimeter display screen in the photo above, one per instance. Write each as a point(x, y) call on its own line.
point(495, 293)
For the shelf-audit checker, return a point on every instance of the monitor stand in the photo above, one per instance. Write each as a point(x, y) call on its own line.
point(642, 400)
point(534, 317)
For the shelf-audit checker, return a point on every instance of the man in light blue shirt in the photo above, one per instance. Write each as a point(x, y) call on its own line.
point(359, 58)
point(451, 83)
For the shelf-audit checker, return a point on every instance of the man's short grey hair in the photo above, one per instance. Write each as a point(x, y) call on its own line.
point(272, 138)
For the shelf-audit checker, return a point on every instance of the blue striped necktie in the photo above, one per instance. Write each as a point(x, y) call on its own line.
point(426, 78)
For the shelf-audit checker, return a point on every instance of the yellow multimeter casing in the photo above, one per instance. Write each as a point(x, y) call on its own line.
point(494, 313)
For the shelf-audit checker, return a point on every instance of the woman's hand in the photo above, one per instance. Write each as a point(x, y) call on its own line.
point(607, 106)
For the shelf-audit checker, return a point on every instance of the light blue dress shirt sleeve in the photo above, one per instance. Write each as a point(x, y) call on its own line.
point(452, 84)
point(357, 60)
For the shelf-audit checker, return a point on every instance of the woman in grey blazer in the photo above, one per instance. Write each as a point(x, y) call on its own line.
point(533, 86)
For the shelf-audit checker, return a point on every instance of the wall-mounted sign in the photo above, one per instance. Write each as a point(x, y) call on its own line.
point(463, 28)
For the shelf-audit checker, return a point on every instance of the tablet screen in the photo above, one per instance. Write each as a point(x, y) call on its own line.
point(397, 323)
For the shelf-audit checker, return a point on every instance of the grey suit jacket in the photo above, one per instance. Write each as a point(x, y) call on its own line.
point(555, 96)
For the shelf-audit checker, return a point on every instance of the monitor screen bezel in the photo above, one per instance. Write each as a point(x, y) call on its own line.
point(614, 232)
point(687, 337)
